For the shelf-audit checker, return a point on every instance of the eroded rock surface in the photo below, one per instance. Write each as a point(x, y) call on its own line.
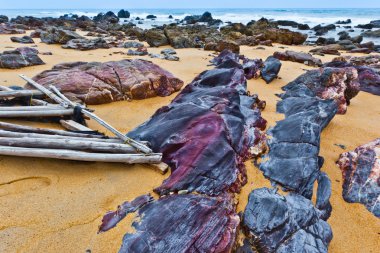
point(98, 83)
point(55, 35)
point(19, 58)
point(290, 223)
point(361, 176)
point(300, 57)
point(86, 44)
point(206, 133)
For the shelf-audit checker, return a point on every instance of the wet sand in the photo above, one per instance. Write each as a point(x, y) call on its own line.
point(56, 206)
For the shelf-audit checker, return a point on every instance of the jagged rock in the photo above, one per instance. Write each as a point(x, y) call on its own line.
point(36, 33)
point(287, 23)
point(23, 40)
point(205, 18)
point(191, 36)
point(361, 50)
point(3, 19)
point(156, 38)
point(151, 17)
point(178, 223)
point(141, 51)
point(10, 29)
point(375, 23)
point(227, 45)
point(343, 22)
point(340, 84)
point(300, 57)
point(58, 36)
point(303, 27)
point(364, 26)
point(320, 30)
point(86, 44)
point(325, 41)
point(109, 17)
point(282, 224)
point(361, 177)
point(168, 51)
point(214, 112)
point(133, 44)
point(271, 69)
point(251, 68)
point(171, 57)
point(284, 36)
point(375, 34)
point(123, 14)
point(343, 35)
point(329, 49)
point(20, 57)
point(98, 83)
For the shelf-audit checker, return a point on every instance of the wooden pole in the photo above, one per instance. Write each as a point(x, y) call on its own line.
point(31, 108)
point(53, 143)
point(20, 93)
point(33, 101)
point(41, 113)
point(74, 126)
point(21, 128)
point(80, 156)
point(4, 133)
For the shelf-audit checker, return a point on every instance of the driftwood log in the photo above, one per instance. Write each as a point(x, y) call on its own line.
point(41, 113)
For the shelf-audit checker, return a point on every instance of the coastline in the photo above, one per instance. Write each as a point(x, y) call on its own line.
point(55, 206)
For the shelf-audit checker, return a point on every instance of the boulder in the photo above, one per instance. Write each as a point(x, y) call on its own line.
point(123, 14)
point(58, 36)
point(86, 44)
point(271, 69)
point(151, 17)
point(365, 26)
point(329, 49)
point(23, 40)
point(98, 83)
point(343, 22)
point(284, 36)
point(141, 51)
point(10, 29)
point(132, 44)
point(19, 58)
point(375, 23)
point(156, 38)
point(282, 224)
point(374, 34)
point(109, 17)
point(168, 51)
point(227, 45)
point(300, 57)
point(320, 30)
point(361, 177)
point(3, 19)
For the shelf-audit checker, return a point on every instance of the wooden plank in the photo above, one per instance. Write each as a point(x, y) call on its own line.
point(33, 101)
point(80, 156)
point(20, 93)
point(74, 126)
point(54, 143)
point(31, 108)
point(41, 113)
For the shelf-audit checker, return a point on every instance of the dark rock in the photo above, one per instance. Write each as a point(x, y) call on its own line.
point(300, 57)
point(109, 17)
point(369, 45)
point(325, 41)
point(361, 50)
point(123, 14)
point(375, 23)
point(23, 40)
point(86, 44)
point(170, 17)
point(284, 36)
point(21, 57)
point(36, 33)
point(227, 45)
point(252, 68)
point(320, 30)
point(344, 35)
point(375, 34)
point(156, 38)
point(151, 17)
point(290, 223)
point(10, 29)
point(357, 39)
point(171, 57)
point(133, 44)
point(141, 51)
point(271, 69)
point(287, 23)
point(190, 36)
point(361, 177)
point(168, 51)
point(214, 112)
point(303, 27)
point(98, 83)
point(366, 26)
point(329, 49)
point(58, 36)
point(193, 222)
point(3, 19)
point(343, 22)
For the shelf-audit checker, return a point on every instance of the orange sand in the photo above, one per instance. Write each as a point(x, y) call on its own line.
point(56, 206)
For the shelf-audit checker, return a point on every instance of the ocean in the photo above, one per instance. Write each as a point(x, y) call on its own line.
point(312, 17)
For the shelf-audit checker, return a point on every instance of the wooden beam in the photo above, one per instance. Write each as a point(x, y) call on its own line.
point(20, 93)
point(74, 126)
point(41, 113)
point(31, 108)
point(33, 101)
point(80, 156)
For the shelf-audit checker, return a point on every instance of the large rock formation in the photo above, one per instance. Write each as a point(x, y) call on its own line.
point(55, 35)
point(361, 176)
point(98, 83)
point(86, 44)
point(206, 133)
point(10, 29)
point(283, 224)
point(20, 57)
point(180, 223)
point(300, 57)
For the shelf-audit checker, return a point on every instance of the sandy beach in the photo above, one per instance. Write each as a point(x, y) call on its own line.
point(56, 206)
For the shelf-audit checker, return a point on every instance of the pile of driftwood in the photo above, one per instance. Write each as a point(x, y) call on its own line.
point(79, 143)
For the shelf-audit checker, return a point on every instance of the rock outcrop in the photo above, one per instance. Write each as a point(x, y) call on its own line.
point(98, 83)
point(58, 36)
point(23, 40)
point(300, 57)
point(361, 176)
point(19, 58)
point(86, 44)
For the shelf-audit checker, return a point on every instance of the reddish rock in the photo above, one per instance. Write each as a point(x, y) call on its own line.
point(227, 45)
point(98, 83)
point(300, 57)
point(361, 176)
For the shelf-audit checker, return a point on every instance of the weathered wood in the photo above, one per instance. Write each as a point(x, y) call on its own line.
point(83, 145)
point(20, 93)
point(160, 167)
point(4, 133)
point(138, 145)
point(45, 91)
point(80, 155)
point(40, 113)
point(31, 108)
point(33, 101)
point(74, 126)
point(21, 128)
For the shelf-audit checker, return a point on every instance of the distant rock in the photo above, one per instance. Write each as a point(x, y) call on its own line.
point(123, 14)
point(343, 22)
point(23, 40)
point(55, 35)
point(133, 44)
point(375, 23)
point(320, 30)
point(365, 26)
point(3, 19)
point(151, 17)
point(109, 17)
point(19, 58)
point(375, 34)
point(168, 51)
